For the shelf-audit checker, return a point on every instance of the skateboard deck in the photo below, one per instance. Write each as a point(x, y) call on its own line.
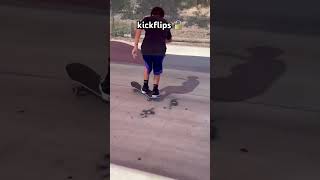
point(85, 79)
point(137, 88)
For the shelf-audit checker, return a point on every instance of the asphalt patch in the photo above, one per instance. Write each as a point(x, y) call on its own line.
point(173, 102)
point(146, 112)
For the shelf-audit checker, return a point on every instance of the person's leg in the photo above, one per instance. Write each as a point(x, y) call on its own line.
point(156, 79)
point(146, 73)
point(157, 70)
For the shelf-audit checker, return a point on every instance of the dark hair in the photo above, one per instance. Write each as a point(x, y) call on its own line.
point(157, 11)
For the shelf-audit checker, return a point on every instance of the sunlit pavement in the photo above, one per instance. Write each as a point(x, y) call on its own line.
point(123, 173)
point(165, 138)
point(162, 137)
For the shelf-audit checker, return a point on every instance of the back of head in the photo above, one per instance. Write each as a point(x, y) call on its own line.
point(157, 11)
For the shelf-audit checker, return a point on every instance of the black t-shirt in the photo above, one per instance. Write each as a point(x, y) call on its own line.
point(154, 42)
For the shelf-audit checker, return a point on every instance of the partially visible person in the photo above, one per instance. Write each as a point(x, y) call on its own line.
point(153, 48)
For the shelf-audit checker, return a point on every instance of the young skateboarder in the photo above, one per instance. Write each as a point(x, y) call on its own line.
point(153, 48)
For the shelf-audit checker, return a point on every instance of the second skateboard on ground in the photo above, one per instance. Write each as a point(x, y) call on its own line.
point(85, 79)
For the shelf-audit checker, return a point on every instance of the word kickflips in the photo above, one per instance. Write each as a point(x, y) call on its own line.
point(153, 25)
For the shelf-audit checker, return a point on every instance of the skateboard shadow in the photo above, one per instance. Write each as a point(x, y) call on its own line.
point(186, 87)
point(249, 79)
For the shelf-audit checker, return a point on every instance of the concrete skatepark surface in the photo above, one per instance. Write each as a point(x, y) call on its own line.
point(47, 132)
point(271, 135)
point(35, 60)
point(156, 136)
point(272, 130)
point(173, 141)
point(123, 173)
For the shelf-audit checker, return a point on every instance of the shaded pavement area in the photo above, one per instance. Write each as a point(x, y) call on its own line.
point(46, 131)
point(266, 105)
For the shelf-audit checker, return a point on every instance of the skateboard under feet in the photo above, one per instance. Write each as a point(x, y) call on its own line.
point(137, 88)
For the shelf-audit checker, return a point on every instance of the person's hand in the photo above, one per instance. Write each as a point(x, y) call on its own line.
point(134, 52)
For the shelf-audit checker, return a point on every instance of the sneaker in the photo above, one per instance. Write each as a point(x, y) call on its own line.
point(105, 96)
point(145, 89)
point(155, 93)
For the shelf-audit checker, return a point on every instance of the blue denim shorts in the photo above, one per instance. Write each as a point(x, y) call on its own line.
point(153, 62)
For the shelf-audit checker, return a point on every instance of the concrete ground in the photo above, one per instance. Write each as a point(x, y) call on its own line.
point(123, 173)
point(156, 136)
point(172, 141)
point(62, 136)
point(266, 113)
point(47, 132)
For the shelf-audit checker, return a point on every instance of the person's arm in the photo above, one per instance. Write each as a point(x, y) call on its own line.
point(136, 43)
point(137, 37)
point(169, 37)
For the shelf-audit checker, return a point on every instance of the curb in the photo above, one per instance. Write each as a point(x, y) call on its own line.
point(123, 173)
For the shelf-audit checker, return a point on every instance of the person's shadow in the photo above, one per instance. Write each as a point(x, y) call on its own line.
point(249, 79)
point(186, 87)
